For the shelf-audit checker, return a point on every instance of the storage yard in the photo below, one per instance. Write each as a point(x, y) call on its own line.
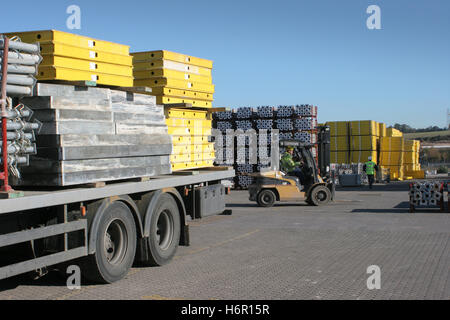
point(290, 251)
point(120, 161)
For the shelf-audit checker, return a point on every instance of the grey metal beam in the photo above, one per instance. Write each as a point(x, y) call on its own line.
point(31, 265)
point(99, 152)
point(43, 232)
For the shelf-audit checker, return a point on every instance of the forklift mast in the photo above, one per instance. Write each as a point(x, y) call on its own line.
point(323, 143)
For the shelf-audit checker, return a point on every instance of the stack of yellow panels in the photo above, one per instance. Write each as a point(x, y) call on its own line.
point(71, 57)
point(174, 77)
point(364, 128)
point(190, 130)
point(392, 132)
point(364, 137)
point(391, 156)
point(339, 141)
point(382, 129)
point(411, 159)
point(338, 128)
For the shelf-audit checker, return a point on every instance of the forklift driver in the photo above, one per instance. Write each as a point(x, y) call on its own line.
point(291, 167)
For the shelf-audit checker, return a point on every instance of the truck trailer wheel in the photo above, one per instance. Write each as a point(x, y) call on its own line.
point(266, 198)
point(164, 231)
point(320, 196)
point(115, 245)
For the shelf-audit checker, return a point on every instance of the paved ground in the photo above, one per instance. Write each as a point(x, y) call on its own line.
point(289, 252)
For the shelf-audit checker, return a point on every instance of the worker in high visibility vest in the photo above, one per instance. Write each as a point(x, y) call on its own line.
point(370, 168)
point(291, 167)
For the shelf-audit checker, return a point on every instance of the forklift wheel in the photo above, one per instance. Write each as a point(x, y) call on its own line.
point(266, 198)
point(320, 196)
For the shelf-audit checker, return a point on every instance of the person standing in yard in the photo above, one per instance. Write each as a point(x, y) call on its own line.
point(370, 168)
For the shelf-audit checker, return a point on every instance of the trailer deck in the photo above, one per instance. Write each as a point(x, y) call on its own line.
point(35, 199)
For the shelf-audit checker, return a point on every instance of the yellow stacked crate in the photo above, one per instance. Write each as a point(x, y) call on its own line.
point(411, 159)
point(174, 77)
point(71, 57)
point(392, 132)
point(339, 142)
point(364, 136)
point(391, 156)
point(190, 130)
point(382, 129)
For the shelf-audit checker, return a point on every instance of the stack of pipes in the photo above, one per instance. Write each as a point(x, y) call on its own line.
point(426, 193)
point(19, 63)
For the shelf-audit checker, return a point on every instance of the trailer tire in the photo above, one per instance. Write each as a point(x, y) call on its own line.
point(115, 246)
point(165, 229)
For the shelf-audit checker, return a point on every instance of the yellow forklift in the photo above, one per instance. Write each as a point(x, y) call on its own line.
point(315, 189)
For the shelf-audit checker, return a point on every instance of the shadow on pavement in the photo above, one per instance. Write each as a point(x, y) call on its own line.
point(400, 186)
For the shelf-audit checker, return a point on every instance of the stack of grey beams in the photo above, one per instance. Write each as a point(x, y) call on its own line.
point(92, 134)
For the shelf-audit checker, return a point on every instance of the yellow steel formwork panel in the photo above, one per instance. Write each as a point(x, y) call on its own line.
point(178, 93)
point(394, 158)
point(171, 65)
point(72, 40)
point(195, 103)
point(181, 149)
point(199, 139)
point(339, 143)
point(181, 140)
point(392, 132)
point(209, 147)
point(409, 157)
point(396, 172)
point(150, 74)
point(202, 156)
point(339, 128)
point(63, 50)
point(179, 131)
point(172, 56)
point(179, 122)
point(202, 148)
point(382, 129)
point(364, 142)
point(192, 165)
point(86, 65)
point(185, 113)
point(174, 83)
point(176, 158)
point(411, 145)
point(184, 158)
point(339, 157)
point(391, 144)
point(57, 73)
point(362, 156)
point(364, 128)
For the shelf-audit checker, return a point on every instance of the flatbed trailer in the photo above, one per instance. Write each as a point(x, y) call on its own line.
point(104, 230)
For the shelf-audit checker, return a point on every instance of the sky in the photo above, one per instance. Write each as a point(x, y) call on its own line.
point(285, 52)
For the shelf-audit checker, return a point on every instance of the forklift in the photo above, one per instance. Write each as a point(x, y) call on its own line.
point(316, 189)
